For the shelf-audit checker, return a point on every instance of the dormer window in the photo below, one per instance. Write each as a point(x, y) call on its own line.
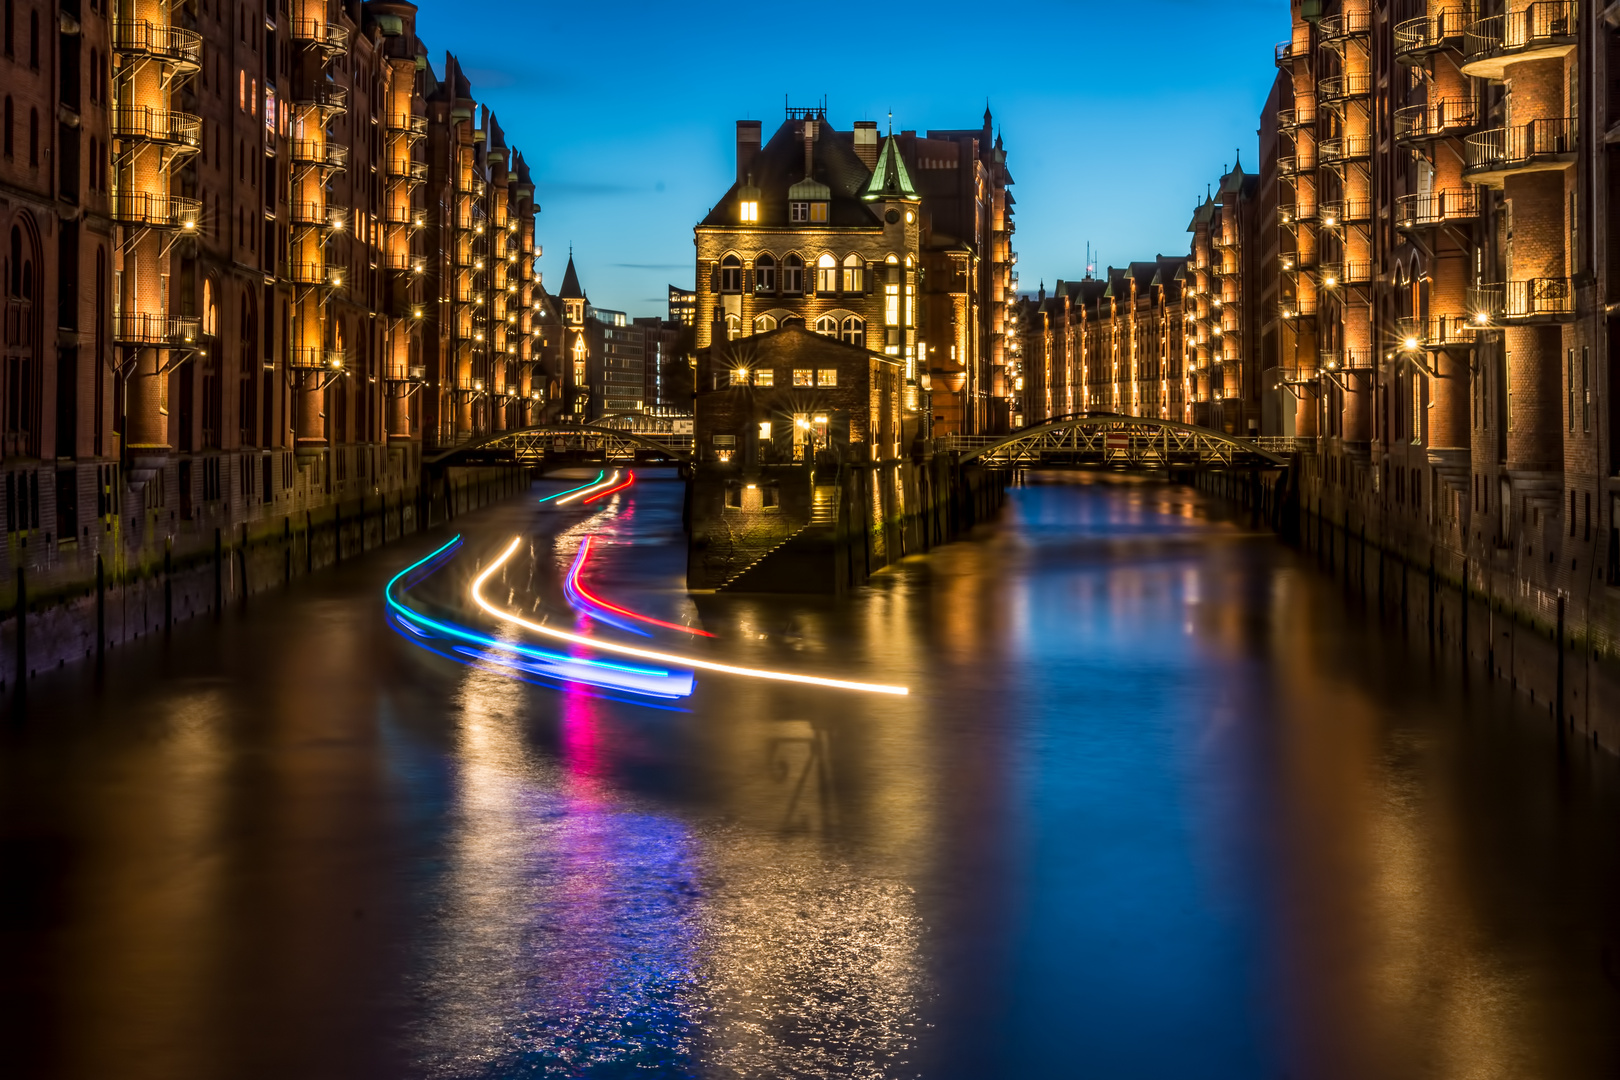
point(799, 212)
point(750, 212)
point(818, 212)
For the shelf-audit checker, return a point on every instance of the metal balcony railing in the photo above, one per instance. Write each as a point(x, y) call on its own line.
point(1434, 332)
point(1346, 148)
point(1346, 212)
point(1336, 274)
point(172, 45)
point(1536, 144)
point(1448, 116)
point(317, 358)
point(317, 214)
point(1342, 87)
point(1349, 359)
point(1548, 299)
point(415, 126)
point(396, 214)
point(1294, 307)
point(1290, 119)
point(326, 96)
point(1545, 28)
point(178, 129)
point(155, 211)
point(1416, 38)
point(404, 262)
point(320, 154)
point(1345, 25)
point(1436, 208)
point(406, 169)
point(140, 328)
point(323, 34)
point(1283, 53)
point(315, 273)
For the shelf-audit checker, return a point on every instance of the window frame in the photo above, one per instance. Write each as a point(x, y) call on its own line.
point(731, 274)
point(826, 274)
point(853, 275)
point(804, 377)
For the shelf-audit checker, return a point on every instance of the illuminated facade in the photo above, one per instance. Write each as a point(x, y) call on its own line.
point(258, 259)
point(897, 243)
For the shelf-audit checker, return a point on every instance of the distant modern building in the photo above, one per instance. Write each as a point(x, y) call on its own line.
point(600, 356)
point(682, 306)
point(897, 243)
point(660, 345)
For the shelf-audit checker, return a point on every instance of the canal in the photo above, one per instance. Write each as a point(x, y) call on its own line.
point(1164, 801)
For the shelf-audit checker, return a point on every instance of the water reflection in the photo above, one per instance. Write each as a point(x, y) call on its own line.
point(1162, 803)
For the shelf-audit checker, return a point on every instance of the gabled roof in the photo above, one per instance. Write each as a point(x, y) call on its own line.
point(890, 180)
point(779, 167)
point(570, 283)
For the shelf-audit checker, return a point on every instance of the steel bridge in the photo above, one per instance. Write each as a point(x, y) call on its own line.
point(529, 446)
point(1111, 440)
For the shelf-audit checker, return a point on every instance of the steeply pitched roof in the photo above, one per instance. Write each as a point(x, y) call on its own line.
point(890, 180)
point(570, 283)
point(779, 167)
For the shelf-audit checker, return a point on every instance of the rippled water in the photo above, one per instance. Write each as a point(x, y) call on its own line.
point(1164, 802)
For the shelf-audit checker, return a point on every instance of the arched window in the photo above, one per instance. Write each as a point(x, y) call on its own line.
point(211, 311)
point(33, 136)
point(731, 274)
point(765, 274)
point(11, 110)
point(33, 39)
point(826, 274)
point(792, 275)
point(733, 327)
point(764, 324)
point(854, 331)
point(16, 261)
point(854, 274)
point(11, 27)
point(827, 325)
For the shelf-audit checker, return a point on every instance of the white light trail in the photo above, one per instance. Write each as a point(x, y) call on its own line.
point(652, 654)
point(586, 491)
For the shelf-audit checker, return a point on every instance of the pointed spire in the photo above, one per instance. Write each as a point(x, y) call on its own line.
point(570, 283)
point(890, 180)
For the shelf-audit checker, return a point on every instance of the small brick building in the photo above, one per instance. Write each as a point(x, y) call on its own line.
point(769, 399)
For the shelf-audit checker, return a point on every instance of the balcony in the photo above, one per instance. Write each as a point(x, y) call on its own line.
point(406, 373)
point(412, 216)
point(1538, 300)
point(139, 328)
point(326, 96)
point(1416, 39)
point(1538, 146)
point(1435, 332)
point(1284, 53)
point(1350, 24)
point(1349, 359)
point(1337, 274)
point(1445, 118)
point(1436, 208)
point(179, 130)
point(316, 215)
point(475, 186)
point(317, 358)
point(320, 154)
point(1346, 148)
point(414, 126)
point(1343, 87)
point(1544, 30)
point(401, 262)
point(323, 34)
point(405, 169)
point(154, 211)
point(1294, 164)
point(1293, 119)
point(1346, 212)
point(180, 49)
point(315, 273)
point(1292, 308)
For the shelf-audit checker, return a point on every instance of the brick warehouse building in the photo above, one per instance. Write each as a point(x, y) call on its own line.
point(899, 243)
point(1433, 308)
point(256, 259)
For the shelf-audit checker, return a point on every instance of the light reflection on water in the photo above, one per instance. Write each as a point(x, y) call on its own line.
point(1163, 803)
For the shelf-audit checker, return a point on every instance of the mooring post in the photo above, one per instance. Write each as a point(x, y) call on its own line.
point(1560, 643)
point(22, 631)
point(168, 584)
point(219, 579)
point(101, 608)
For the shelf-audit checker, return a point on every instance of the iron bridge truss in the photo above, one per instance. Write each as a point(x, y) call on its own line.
point(529, 446)
point(1110, 440)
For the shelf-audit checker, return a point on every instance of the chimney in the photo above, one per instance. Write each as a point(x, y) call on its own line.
point(809, 147)
point(866, 143)
point(747, 147)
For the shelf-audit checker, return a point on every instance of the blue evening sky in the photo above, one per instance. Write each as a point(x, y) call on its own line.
point(1115, 114)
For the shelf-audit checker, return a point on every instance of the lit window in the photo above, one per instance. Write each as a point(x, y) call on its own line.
point(891, 305)
point(854, 331)
point(731, 274)
point(799, 211)
point(804, 377)
point(764, 324)
point(792, 275)
point(765, 274)
point(826, 274)
point(854, 274)
point(750, 212)
point(739, 376)
point(818, 211)
point(910, 305)
point(827, 377)
point(765, 431)
point(733, 327)
point(827, 325)
point(764, 377)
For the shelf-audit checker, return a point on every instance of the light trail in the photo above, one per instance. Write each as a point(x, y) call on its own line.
point(575, 669)
point(651, 654)
point(577, 598)
point(588, 599)
point(586, 490)
point(610, 491)
point(600, 473)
